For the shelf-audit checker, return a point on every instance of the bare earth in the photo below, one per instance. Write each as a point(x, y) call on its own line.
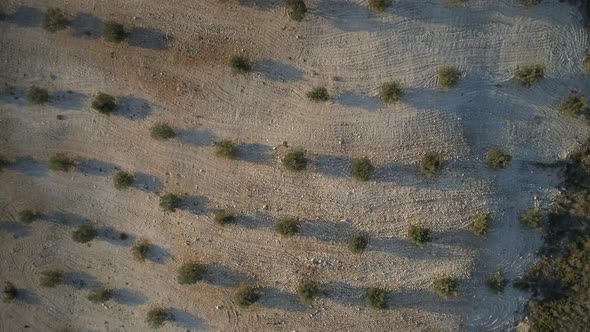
point(174, 68)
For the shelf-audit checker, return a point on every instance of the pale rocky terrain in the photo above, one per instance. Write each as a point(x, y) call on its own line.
point(174, 68)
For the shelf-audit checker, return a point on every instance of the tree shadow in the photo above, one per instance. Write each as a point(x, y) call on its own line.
point(15, 95)
point(355, 99)
point(147, 183)
point(96, 167)
point(425, 300)
point(80, 280)
point(274, 298)
point(132, 108)
point(263, 5)
point(112, 236)
point(86, 25)
point(17, 229)
point(64, 218)
point(194, 204)
point(257, 221)
point(221, 275)
point(344, 293)
point(29, 166)
point(196, 136)
point(408, 249)
point(333, 166)
point(255, 153)
point(277, 70)
point(69, 100)
point(185, 320)
point(26, 17)
point(324, 230)
point(128, 296)
point(352, 17)
point(150, 38)
point(159, 254)
point(26, 296)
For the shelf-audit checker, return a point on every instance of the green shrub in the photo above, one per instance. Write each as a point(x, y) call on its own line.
point(222, 217)
point(189, 273)
point(532, 217)
point(307, 291)
point(84, 234)
point(246, 296)
point(419, 235)
point(9, 292)
point(318, 94)
point(27, 216)
point(296, 9)
point(530, 74)
point(448, 77)
point(240, 64)
point(362, 169)
point(574, 104)
point(113, 32)
point(431, 163)
point(104, 103)
point(287, 226)
point(54, 20)
point(123, 180)
point(100, 295)
point(446, 286)
point(61, 162)
point(497, 282)
point(391, 92)
point(375, 298)
point(51, 278)
point(157, 317)
point(226, 149)
point(162, 131)
point(379, 5)
point(37, 95)
point(480, 224)
point(141, 250)
point(586, 62)
point(358, 244)
point(169, 202)
point(498, 158)
point(295, 160)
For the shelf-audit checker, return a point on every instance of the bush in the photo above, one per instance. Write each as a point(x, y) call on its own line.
point(61, 162)
point(307, 291)
point(246, 296)
point(287, 226)
point(419, 235)
point(141, 250)
point(54, 20)
point(318, 94)
point(113, 32)
point(123, 180)
point(431, 163)
point(379, 5)
point(532, 217)
point(84, 234)
point(295, 160)
point(100, 295)
point(529, 75)
point(9, 292)
point(574, 104)
point(37, 95)
point(586, 62)
point(223, 217)
point(240, 64)
point(296, 9)
point(104, 103)
point(497, 282)
point(448, 77)
point(375, 298)
point(169, 202)
point(190, 273)
point(51, 278)
point(480, 224)
point(362, 169)
point(358, 244)
point(226, 149)
point(391, 92)
point(446, 286)
point(162, 131)
point(157, 316)
point(498, 158)
point(27, 216)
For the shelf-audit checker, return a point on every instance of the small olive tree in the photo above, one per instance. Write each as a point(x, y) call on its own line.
point(379, 5)
point(157, 317)
point(419, 234)
point(431, 163)
point(496, 282)
point(480, 224)
point(100, 295)
point(27, 216)
point(169, 202)
point(586, 62)
point(295, 160)
point(226, 149)
point(307, 291)
point(113, 32)
point(530, 74)
point(240, 64)
point(362, 168)
point(375, 298)
point(358, 244)
point(141, 250)
point(223, 217)
point(84, 234)
point(448, 77)
point(3, 162)
point(391, 92)
point(37, 95)
point(104, 103)
point(51, 278)
point(123, 180)
point(189, 273)
point(532, 218)
point(246, 296)
point(162, 131)
point(288, 226)
point(319, 93)
point(61, 162)
point(9, 292)
point(296, 9)
point(54, 20)
point(574, 104)
point(446, 286)
point(498, 158)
